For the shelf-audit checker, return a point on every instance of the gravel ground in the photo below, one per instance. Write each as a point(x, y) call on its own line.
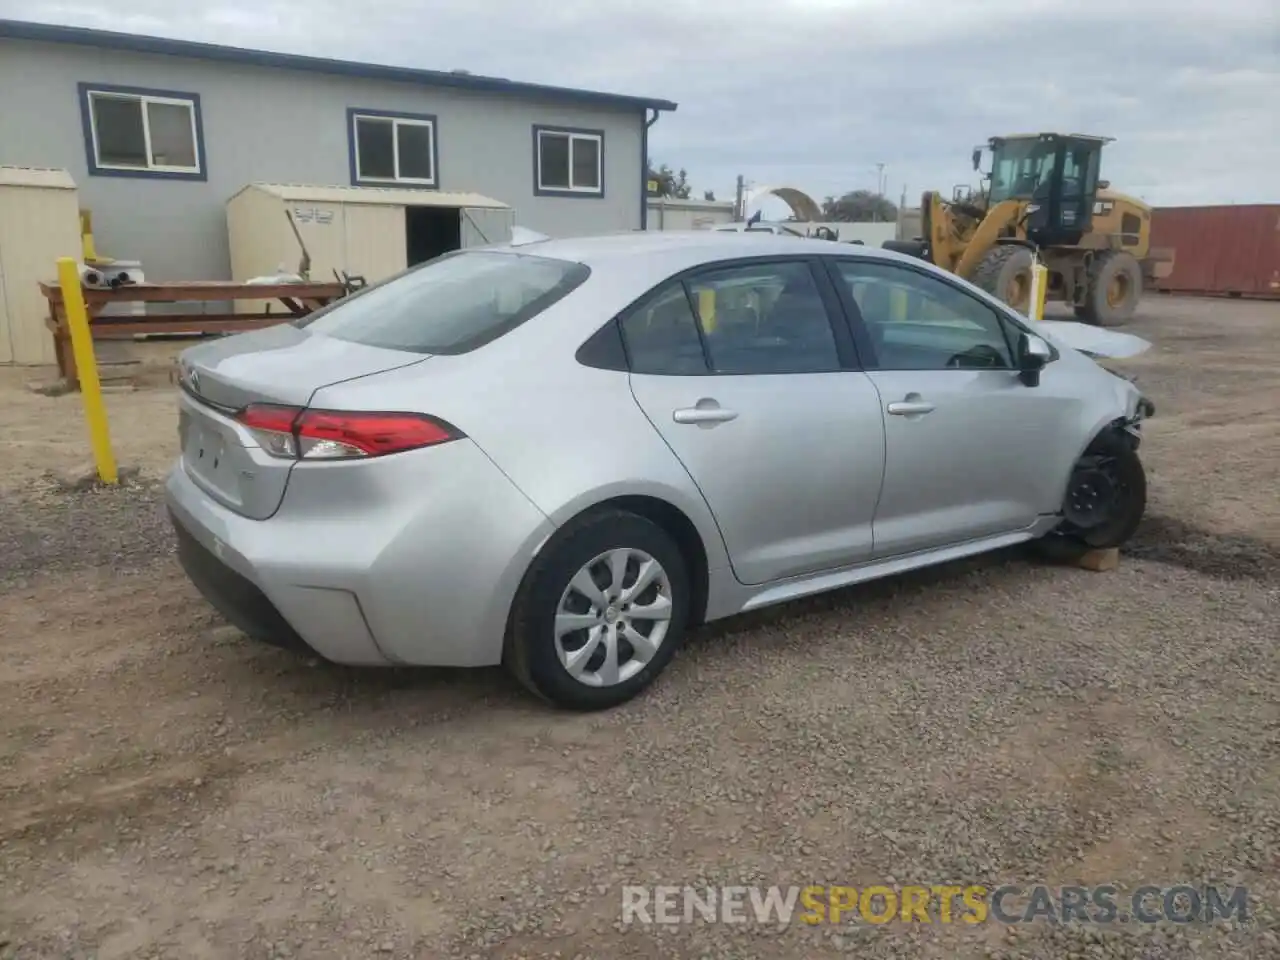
point(168, 789)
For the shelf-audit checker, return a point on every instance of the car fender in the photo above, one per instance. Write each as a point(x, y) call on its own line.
point(694, 507)
point(1120, 407)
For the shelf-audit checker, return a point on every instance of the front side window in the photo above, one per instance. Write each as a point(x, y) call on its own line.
point(450, 305)
point(392, 148)
point(132, 132)
point(568, 162)
point(918, 322)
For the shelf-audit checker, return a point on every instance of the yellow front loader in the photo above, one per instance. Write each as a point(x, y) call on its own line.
point(1043, 199)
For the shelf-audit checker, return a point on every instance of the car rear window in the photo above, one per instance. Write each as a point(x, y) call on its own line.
point(450, 305)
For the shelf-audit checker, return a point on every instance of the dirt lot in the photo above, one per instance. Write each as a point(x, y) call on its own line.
point(168, 789)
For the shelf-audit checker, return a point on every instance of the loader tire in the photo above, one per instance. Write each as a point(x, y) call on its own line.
point(1005, 273)
point(1113, 289)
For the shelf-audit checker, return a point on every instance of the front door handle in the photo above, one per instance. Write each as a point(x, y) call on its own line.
point(909, 408)
point(706, 412)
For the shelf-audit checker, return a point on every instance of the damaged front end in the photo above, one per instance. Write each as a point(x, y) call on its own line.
point(1143, 408)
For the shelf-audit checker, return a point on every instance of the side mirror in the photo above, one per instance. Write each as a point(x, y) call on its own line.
point(977, 157)
point(1103, 184)
point(1033, 353)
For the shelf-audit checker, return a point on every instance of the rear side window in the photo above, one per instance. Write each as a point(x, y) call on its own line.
point(756, 318)
point(764, 318)
point(452, 304)
point(662, 336)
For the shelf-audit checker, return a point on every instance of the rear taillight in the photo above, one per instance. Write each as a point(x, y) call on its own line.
point(273, 427)
point(298, 434)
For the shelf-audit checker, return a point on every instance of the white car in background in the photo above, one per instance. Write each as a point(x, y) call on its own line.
point(774, 228)
point(822, 232)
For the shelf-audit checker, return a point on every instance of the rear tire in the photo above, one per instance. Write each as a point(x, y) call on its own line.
point(625, 638)
point(1115, 457)
point(1114, 287)
point(1005, 273)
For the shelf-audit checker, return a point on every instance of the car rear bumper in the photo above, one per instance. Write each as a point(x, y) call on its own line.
point(237, 598)
point(417, 562)
point(233, 570)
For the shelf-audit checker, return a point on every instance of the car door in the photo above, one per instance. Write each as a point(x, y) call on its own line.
point(756, 391)
point(964, 436)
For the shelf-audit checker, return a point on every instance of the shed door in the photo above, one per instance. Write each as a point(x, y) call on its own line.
point(375, 240)
point(38, 226)
point(482, 226)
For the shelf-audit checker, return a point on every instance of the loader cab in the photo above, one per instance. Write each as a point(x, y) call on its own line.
point(1056, 174)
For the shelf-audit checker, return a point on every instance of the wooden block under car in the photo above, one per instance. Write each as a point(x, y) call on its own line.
point(1100, 560)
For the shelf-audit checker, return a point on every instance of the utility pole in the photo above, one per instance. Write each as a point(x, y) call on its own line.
point(739, 204)
point(875, 215)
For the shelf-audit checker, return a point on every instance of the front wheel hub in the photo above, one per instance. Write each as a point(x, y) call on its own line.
point(1091, 496)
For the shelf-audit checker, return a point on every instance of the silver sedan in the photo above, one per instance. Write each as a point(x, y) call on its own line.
point(561, 455)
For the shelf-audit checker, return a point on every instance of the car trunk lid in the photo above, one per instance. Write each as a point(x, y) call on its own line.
point(278, 365)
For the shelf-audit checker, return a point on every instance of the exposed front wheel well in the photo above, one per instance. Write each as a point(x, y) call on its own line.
point(1105, 497)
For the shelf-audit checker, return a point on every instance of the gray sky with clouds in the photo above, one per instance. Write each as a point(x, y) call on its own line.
point(815, 93)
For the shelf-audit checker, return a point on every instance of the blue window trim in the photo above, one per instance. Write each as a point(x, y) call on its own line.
point(353, 112)
point(91, 157)
point(540, 191)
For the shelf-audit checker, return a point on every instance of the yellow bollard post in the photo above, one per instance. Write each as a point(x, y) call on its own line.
point(1039, 287)
point(95, 412)
point(707, 310)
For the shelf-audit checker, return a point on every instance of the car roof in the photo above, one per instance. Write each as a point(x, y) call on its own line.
point(680, 249)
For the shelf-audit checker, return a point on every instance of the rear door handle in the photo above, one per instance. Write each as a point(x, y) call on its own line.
point(706, 412)
point(908, 408)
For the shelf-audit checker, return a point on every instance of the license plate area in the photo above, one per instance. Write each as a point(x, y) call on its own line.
point(220, 457)
point(205, 447)
point(213, 455)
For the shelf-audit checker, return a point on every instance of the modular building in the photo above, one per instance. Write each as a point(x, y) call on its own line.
point(158, 135)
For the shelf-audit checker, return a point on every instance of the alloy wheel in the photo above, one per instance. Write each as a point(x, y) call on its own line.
point(613, 617)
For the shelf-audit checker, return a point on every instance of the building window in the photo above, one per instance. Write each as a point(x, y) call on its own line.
point(131, 132)
point(392, 148)
point(568, 162)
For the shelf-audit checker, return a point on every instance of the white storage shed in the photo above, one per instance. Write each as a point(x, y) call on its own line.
point(372, 232)
point(39, 222)
point(668, 213)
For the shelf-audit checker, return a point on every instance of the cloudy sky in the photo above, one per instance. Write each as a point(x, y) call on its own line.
point(816, 93)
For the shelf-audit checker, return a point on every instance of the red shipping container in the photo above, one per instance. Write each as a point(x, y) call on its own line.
point(1222, 250)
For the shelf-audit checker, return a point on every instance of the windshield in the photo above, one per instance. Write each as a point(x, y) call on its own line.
point(1018, 167)
point(452, 304)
